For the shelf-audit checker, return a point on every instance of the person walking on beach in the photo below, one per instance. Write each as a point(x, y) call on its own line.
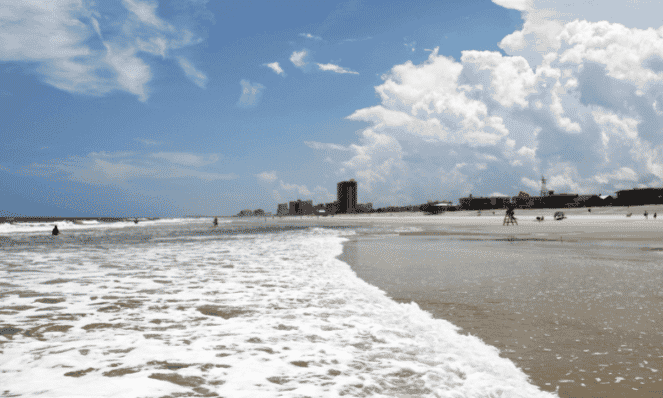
point(216, 221)
point(646, 215)
point(56, 231)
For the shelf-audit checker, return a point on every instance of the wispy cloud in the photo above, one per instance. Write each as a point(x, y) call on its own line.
point(196, 76)
point(267, 176)
point(122, 168)
point(310, 36)
point(410, 45)
point(187, 159)
point(325, 146)
point(148, 142)
point(251, 94)
point(298, 58)
point(336, 69)
point(77, 47)
point(275, 67)
point(353, 40)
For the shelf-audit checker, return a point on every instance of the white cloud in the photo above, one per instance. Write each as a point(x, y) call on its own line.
point(196, 76)
point(287, 192)
point(545, 20)
point(76, 47)
point(251, 94)
point(146, 12)
point(298, 58)
point(310, 36)
point(520, 5)
point(586, 116)
point(132, 73)
point(275, 67)
point(267, 176)
point(325, 146)
point(187, 159)
point(622, 174)
point(121, 169)
point(300, 190)
point(335, 68)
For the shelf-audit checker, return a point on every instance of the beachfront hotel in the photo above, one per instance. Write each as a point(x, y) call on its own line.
point(347, 196)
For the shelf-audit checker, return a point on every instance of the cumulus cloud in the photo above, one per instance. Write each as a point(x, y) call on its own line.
point(275, 67)
point(335, 69)
point(251, 94)
point(587, 115)
point(77, 47)
point(545, 20)
point(298, 58)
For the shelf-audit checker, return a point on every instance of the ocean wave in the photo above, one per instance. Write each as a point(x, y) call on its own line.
point(67, 225)
point(269, 315)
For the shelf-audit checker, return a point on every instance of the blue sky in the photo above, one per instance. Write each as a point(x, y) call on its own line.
point(168, 108)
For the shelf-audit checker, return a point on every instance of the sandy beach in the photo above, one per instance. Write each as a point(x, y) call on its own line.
point(574, 303)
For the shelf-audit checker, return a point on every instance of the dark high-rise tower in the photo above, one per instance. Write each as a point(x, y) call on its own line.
point(347, 196)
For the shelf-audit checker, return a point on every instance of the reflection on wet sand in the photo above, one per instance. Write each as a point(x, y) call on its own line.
point(580, 318)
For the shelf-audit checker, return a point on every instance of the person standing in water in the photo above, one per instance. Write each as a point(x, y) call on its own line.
point(56, 231)
point(216, 221)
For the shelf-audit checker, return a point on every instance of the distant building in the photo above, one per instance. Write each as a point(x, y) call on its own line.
point(347, 196)
point(365, 207)
point(320, 209)
point(639, 196)
point(282, 209)
point(435, 206)
point(331, 208)
point(560, 200)
point(483, 203)
point(301, 207)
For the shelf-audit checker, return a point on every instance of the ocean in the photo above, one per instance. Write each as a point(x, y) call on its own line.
point(180, 308)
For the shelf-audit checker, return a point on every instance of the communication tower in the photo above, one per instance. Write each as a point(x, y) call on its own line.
point(544, 190)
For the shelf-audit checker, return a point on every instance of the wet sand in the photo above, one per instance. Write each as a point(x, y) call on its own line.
point(575, 303)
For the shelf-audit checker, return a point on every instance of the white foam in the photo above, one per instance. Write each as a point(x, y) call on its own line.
point(23, 228)
point(299, 323)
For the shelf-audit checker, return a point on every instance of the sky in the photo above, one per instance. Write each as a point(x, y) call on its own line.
point(195, 107)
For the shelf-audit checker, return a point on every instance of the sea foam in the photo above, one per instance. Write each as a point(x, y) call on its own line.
point(263, 315)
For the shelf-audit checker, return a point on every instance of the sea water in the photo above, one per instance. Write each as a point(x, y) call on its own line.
point(185, 309)
point(581, 318)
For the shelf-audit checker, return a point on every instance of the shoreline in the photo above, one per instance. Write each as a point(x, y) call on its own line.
point(579, 322)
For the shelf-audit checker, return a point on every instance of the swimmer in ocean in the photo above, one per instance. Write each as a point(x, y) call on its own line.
point(56, 231)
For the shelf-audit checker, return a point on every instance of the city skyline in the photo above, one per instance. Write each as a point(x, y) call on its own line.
point(167, 108)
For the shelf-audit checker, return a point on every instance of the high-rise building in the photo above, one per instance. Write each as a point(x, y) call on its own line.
point(347, 196)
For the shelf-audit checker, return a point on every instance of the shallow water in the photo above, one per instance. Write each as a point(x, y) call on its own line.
point(184, 309)
point(582, 318)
